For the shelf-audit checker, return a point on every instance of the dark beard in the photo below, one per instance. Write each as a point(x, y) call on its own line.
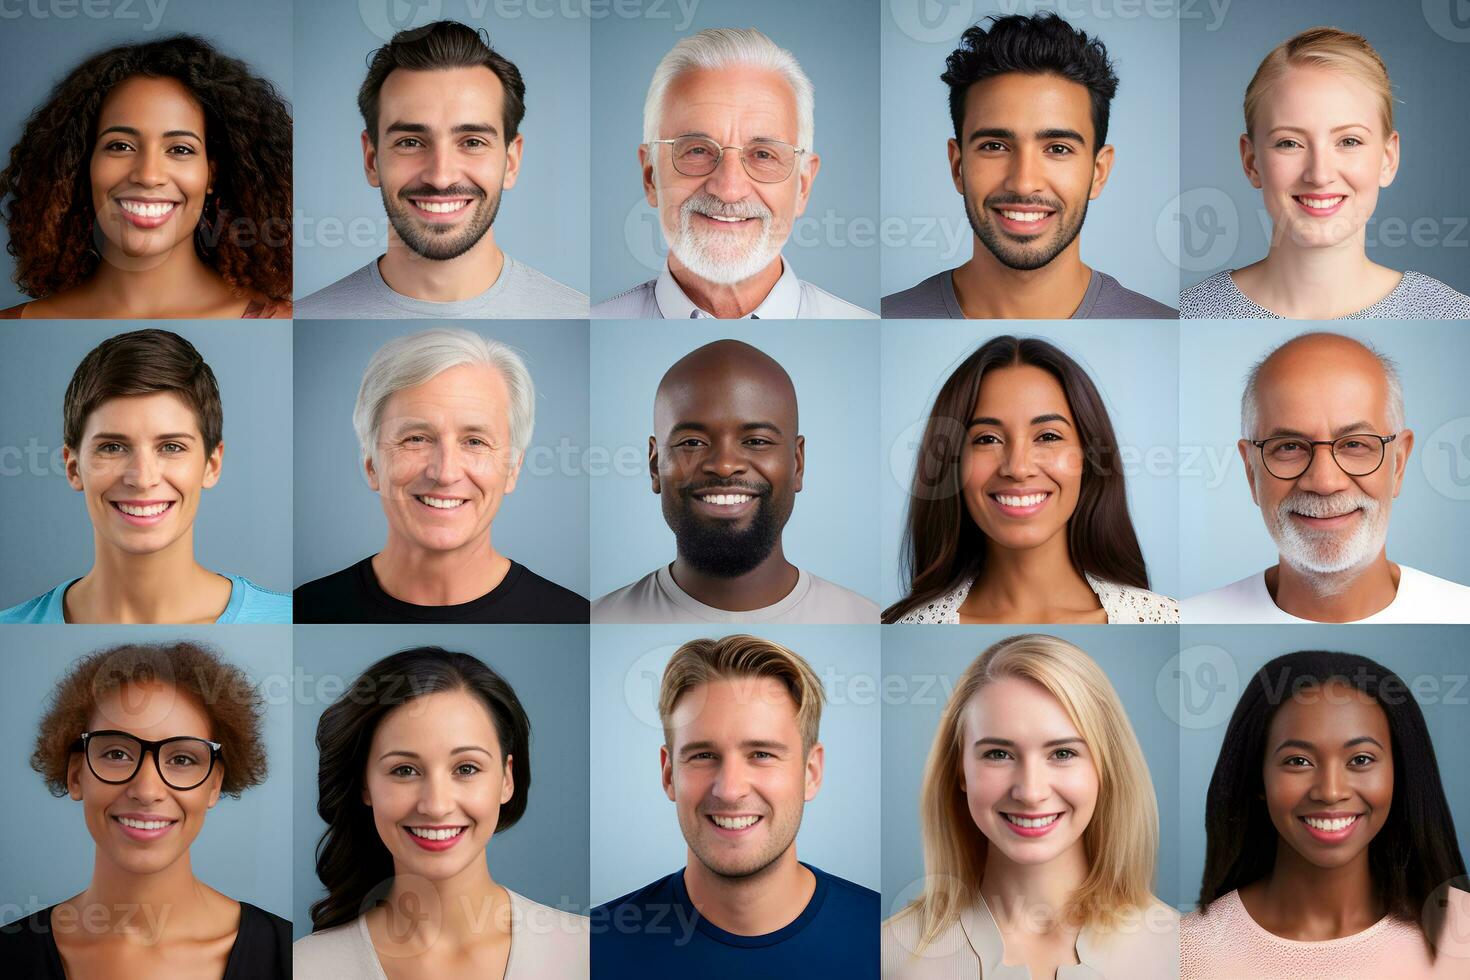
point(717, 549)
point(1022, 259)
point(441, 246)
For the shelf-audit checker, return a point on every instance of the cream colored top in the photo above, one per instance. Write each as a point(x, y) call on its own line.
point(1145, 948)
point(544, 942)
point(1122, 603)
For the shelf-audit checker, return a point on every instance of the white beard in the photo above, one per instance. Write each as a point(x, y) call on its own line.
point(706, 255)
point(1325, 556)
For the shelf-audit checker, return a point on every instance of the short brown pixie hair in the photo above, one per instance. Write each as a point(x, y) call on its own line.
point(222, 690)
point(742, 655)
point(143, 362)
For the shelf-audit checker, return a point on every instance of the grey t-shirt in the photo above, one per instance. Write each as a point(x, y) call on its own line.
point(657, 598)
point(1105, 299)
point(519, 292)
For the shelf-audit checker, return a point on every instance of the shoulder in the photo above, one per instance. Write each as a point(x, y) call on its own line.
point(659, 891)
point(945, 609)
point(631, 304)
point(547, 940)
point(818, 304)
point(328, 953)
point(44, 608)
point(321, 599)
point(13, 312)
point(27, 948)
point(840, 604)
point(1229, 603)
point(1129, 604)
point(553, 298)
point(1145, 944)
point(538, 914)
point(864, 899)
point(259, 604)
point(924, 300)
point(321, 302)
point(548, 602)
point(1214, 298)
point(1117, 302)
point(630, 604)
point(1431, 599)
point(1426, 298)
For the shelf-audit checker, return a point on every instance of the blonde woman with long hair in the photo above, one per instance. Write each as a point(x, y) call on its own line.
point(1040, 831)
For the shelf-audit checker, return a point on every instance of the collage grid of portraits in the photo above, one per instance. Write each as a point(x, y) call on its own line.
point(505, 612)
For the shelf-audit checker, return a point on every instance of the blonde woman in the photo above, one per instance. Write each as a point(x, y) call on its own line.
point(1040, 831)
point(1319, 145)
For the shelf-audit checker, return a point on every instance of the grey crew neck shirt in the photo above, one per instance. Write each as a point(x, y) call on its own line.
point(519, 292)
point(1105, 299)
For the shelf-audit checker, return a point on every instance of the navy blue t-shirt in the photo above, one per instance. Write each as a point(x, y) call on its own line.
point(656, 932)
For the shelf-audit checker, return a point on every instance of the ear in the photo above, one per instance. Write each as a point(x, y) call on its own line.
point(74, 775)
point(371, 472)
point(512, 162)
point(1248, 459)
point(213, 172)
point(370, 160)
point(515, 470)
point(367, 800)
point(956, 173)
point(647, 160)
point(1390, 168)
point(73, 467)
point(1405, 442)
point(1102, 166)
point(815, 759)
point(652, 462)
point(216, 780)
point(800, 461)
point(1248, 161)
point(507, 782)
point(213, 464)
point(806, 176)
point(666, 770)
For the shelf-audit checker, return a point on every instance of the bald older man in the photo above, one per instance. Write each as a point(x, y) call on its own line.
point(1325, 449)
point(726, 460)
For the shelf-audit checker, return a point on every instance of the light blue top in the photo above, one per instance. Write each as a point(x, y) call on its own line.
point(249, 603)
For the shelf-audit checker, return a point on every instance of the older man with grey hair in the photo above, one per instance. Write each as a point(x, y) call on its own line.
point(727, 160)
point(443, 419)
point(1325, 449)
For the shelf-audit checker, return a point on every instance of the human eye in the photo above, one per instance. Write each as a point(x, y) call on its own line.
point(995, 755)
point(1059, 149)
point(1296, 761)
point(1351, 141)
point(174, 448)
point(403, 771)
point(117, 755)
point(689, 442)
point(1065, 755)
point(409, 143)
point(107, 448)
point(985, 439)
point(1286, 143)
point(415, 439)
point(991, 146)
point(188, 151)
point(476, 143)
point(117, 146)
point(182, 760)
point(759, 441)
point(1050, 437)
point(1366, 757)
point(460, 770)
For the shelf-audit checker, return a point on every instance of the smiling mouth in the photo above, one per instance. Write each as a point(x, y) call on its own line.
point(436, 833)
point(440, 206)
point(1319, 202)
point(159, 824)
point(744, 822)
point(1032, 823)
point(441, 503)
point(147, 209)
point(144, 511)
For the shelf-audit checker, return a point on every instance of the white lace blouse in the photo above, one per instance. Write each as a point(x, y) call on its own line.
point(1122, 603)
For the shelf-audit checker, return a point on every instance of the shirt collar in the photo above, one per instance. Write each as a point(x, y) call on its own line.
point(783, 302)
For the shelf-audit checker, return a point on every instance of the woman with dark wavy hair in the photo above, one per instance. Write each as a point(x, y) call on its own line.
point(1330, 849)
point(1017, 511)
point(421, 762)
point(155, 181)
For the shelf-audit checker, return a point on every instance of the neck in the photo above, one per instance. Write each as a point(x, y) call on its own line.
point(765, 585)
point(470, 907)
point(1031, 583)
point(1310, 902)
point(147, 588)
point(1318, 282)
point(986, 288)
point(157, 286)
point(728, 301)
point(753, 905)
point(439, 578)
point(121, 901)
point(1342, 597)
point(447, 281)
point(1032, 897)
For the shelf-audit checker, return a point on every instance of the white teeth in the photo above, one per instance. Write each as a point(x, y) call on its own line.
point(444, 207)
point(143, 824)
point(1331, 826)
point(146, 210)
point(1025, 215)
point(440, 502)
point(1028, 822)
point(716, 217)
point(436, 834)
point(1030, 500)
point(152, 510)
point(726, 499)
point(733, 823)
point(1321, 203)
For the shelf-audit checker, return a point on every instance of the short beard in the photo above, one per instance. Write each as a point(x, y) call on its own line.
point(696, 249)
point(1328, 572)
point(1019, 257)
point(435, 242)
point(714, 548)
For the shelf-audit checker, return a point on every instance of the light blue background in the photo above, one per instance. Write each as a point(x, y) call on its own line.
point(1225, 537)
point(1119, 236)
point(834, 243)
point(919, 355)
point(835, 369)
point(38, 52)
point(542, 220)
point(839, 829)
point(243, 526)
point(542, 523)
point(1218, 661)
point(1430, 74)
point(544, 856)
point(243, 849)
point(921, 666)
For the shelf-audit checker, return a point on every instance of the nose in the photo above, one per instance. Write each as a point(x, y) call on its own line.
point(1017, 461)
point(446, 463)
point(147, 786)
point(435, 798)
point(1023, 176)
point(148, 167)
point(441, 169)
point(142, 470)
point(1317, 168)
point(732, 783)
point(1323, 475)
point(725, 458)
point(1330, 785)
point(1031, 787)
point(729, 182)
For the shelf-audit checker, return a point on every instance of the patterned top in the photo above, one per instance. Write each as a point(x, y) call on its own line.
point(1122, 603)
point(1416, 297)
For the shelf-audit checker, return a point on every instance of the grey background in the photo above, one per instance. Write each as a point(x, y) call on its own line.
point(542, 523)
point(1227, 537)
point(1216, 662)
point(919, 356)
point(544, 856)
point(921, 666)
point(835, 369)
point(1120, 235)
point(39, 51)
point(243, 526)
point(543, 219)
point(243, 849)
point(839, 828)
point(1428, 63)
point(834, 243)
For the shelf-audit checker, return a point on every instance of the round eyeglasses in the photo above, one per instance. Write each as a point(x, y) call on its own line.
point(183, 762)
point(1288, 457)
point(766, 161)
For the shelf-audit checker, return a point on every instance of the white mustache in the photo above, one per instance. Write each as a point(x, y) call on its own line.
point(707, 204)
point(1316, 505)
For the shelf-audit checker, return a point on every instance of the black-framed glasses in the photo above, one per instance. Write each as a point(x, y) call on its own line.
point(766, 161)
point(183, 761)
point(1288, 457)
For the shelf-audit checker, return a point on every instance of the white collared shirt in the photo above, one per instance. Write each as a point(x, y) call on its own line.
point(789, 299)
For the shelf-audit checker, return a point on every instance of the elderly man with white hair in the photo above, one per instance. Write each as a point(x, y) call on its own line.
point(728, 162)
point(1325, 449)
point(443, 418)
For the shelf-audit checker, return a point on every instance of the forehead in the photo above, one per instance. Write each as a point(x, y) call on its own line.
point(730, 103)
point(1027, 103)
point(1317, 387)
point(464, 394)
point(726, 393)
point(151, 105)
point(1020, 391)
point(151, 710)
point(443, 97)
point(1329, 715)
point(436, 724)
point(1316, 98)
point(142, 415)
point(735, 709)
point(1019, 709)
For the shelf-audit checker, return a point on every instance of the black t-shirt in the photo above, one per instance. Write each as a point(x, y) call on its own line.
point(262, 949)
point(353, 595)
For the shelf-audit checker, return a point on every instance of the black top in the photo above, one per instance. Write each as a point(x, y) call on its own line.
point(353, 595)
point(262, 949)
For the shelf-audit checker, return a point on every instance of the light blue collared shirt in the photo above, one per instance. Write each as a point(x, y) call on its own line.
point(789, 299)
point(249, 603)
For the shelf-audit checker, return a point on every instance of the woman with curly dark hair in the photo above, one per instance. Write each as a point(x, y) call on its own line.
point(154, 182)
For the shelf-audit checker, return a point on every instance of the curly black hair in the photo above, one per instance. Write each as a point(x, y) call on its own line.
point(247, 137)
point(1037, 45)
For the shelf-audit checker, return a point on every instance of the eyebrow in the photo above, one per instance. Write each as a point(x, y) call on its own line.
point(1334, 129)
point(1298, 743)
point(1040, 134)
point(1038, 420)
point(119, 437)
point(1009, 744)
point(1362, 425)
point(750, 743)
point(423, 129)
point(744, 426)
point(129, 130)
point(455, 751)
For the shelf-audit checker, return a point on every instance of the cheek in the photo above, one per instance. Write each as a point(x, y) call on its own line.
point(1078, 786)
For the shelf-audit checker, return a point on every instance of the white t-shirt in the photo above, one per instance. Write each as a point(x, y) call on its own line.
point(1421, 598)
point(657, 598)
